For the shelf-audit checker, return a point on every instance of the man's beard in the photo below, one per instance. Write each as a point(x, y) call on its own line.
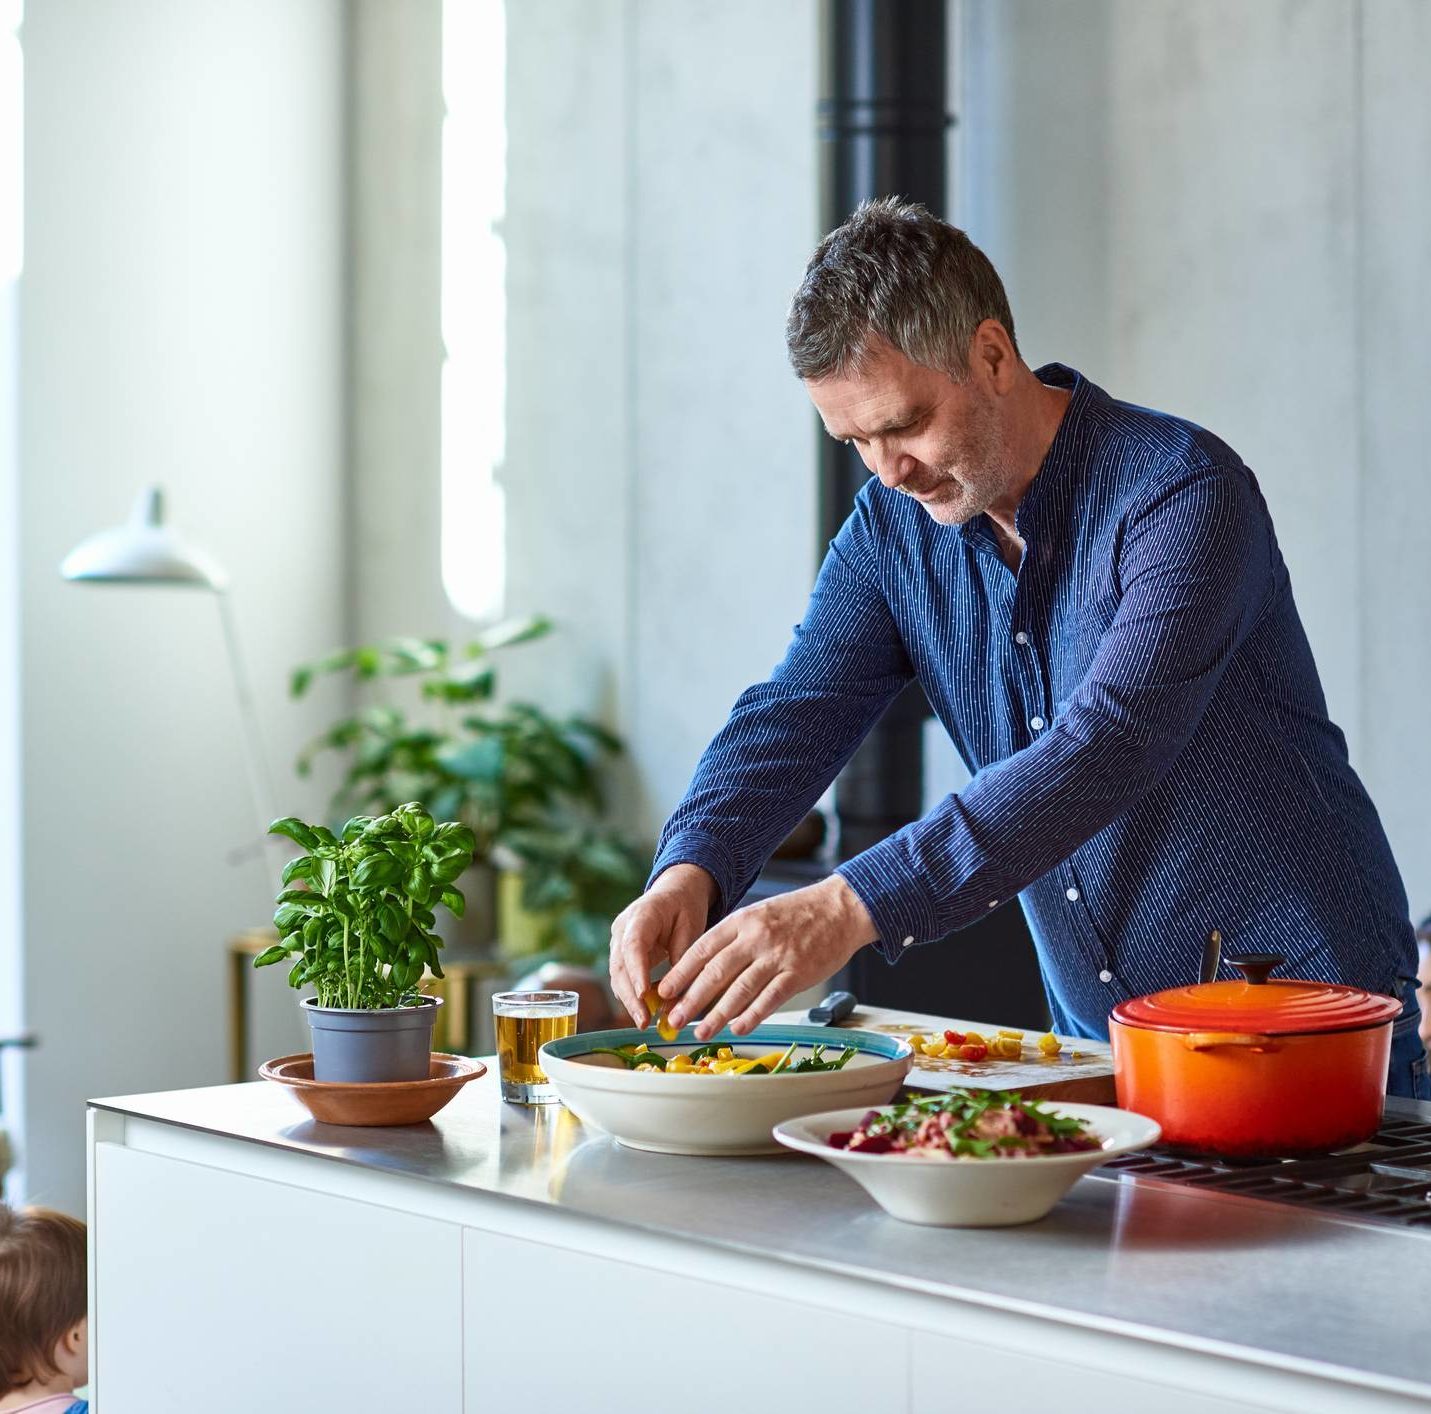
point(970, 475)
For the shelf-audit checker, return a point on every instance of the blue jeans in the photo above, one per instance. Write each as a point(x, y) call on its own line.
point(1406, 1075)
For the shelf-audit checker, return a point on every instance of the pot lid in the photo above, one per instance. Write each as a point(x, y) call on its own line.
point(1268, 1006)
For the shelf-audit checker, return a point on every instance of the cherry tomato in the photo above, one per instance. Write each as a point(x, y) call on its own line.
point(954, 1038)
point(973, 1053)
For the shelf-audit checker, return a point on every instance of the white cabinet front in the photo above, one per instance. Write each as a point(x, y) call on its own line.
point(550, 1328)
point(231, 1294)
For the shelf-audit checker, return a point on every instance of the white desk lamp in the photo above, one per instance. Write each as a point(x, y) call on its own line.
point(146, 551)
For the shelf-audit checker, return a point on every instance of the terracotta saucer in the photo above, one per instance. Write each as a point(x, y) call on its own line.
point(391, 1102)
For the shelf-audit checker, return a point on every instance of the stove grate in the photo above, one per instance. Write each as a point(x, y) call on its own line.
point(1386, 1181)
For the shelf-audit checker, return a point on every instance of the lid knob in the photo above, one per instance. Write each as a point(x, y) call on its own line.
point(1255, 966)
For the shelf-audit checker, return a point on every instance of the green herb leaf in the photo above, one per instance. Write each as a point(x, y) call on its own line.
point(295, 830)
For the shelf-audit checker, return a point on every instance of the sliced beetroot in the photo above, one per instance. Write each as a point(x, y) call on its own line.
point(872, 1143)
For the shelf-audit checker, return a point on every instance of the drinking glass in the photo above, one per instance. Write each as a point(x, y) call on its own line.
point(526, 1021)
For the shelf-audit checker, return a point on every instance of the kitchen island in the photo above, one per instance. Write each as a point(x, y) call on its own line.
point(244, 1257)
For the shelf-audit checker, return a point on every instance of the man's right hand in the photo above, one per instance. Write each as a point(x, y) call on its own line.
point(658, 926)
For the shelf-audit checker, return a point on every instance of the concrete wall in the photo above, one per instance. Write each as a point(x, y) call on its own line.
point(659, 472)
point(660, 455)
point(1220, 209)
point(181, 322)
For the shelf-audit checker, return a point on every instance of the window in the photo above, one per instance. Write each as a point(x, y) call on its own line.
point(474, 304)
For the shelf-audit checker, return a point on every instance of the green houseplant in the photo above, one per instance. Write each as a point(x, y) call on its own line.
point(356, 915)
point(525, 782)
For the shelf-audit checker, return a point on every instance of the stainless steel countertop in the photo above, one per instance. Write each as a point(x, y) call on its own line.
point(1197, 1269)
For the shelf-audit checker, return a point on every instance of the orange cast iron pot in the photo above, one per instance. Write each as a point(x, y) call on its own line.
point(1258, 1067)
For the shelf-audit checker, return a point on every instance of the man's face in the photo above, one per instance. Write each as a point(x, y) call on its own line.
point(921, 433)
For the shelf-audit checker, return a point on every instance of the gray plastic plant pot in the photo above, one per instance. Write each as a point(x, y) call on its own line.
point(360, 1047)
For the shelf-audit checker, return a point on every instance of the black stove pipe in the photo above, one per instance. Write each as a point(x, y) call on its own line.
point(883, 119)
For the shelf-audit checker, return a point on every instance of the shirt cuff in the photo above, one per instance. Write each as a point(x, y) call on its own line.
point(697, 847)
point(894, 896)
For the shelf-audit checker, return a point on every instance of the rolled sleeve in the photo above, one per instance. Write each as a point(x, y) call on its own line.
point(896, 901)
point(699, 848)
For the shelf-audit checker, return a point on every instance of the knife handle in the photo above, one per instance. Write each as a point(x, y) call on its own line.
point(835, 1008)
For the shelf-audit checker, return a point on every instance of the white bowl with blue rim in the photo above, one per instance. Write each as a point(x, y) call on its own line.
point(718, 1114)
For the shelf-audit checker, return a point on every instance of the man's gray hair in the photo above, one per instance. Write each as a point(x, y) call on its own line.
point(894, 271)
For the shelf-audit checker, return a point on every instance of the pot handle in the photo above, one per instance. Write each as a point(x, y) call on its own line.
point(1212, 1040)
point(1255, 966)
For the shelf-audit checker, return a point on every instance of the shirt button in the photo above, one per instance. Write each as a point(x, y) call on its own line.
point(1105, 976)
point(1036, 723)
point(1071, 895)
point(1021, 637)
point(993, 903)
point(908, 942)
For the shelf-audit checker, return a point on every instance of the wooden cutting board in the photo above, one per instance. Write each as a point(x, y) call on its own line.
point(1083, 1070)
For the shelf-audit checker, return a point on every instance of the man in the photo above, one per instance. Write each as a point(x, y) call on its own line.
point(1092, 598)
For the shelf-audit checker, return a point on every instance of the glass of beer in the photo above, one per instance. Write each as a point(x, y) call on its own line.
point(526, 1021)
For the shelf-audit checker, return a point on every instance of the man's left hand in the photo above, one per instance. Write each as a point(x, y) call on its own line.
point(750, 963)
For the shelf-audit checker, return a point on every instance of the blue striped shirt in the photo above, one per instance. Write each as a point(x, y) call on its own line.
point(1138, 704)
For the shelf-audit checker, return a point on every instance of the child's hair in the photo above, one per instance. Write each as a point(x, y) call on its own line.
point(43, 1290)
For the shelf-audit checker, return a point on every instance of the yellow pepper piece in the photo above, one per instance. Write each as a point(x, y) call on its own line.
point(769, 1060)
point(973, 1038)
point(917, 1041)
point(1017, 1035)
point(657, 1008)
point(1049, 1045)
point(724, 1053)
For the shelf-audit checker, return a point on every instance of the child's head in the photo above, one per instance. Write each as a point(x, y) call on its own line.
point(43, 1298)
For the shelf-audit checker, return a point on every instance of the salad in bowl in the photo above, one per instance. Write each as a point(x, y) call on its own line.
point(971, 1158)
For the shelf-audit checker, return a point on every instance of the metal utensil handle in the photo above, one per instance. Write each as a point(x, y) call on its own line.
point(1211, 957)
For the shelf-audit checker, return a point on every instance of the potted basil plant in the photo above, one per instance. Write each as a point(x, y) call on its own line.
point(356, 914)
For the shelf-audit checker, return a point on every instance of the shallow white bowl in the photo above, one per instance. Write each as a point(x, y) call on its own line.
point(969, 1192)
point(717, 1114)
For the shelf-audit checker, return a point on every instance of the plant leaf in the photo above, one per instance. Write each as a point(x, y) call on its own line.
point(378, 871)
point(295, 830)
point(288, 917)
point(512, 632)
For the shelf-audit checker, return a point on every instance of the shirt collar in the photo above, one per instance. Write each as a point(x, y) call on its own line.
point(1058, 462)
